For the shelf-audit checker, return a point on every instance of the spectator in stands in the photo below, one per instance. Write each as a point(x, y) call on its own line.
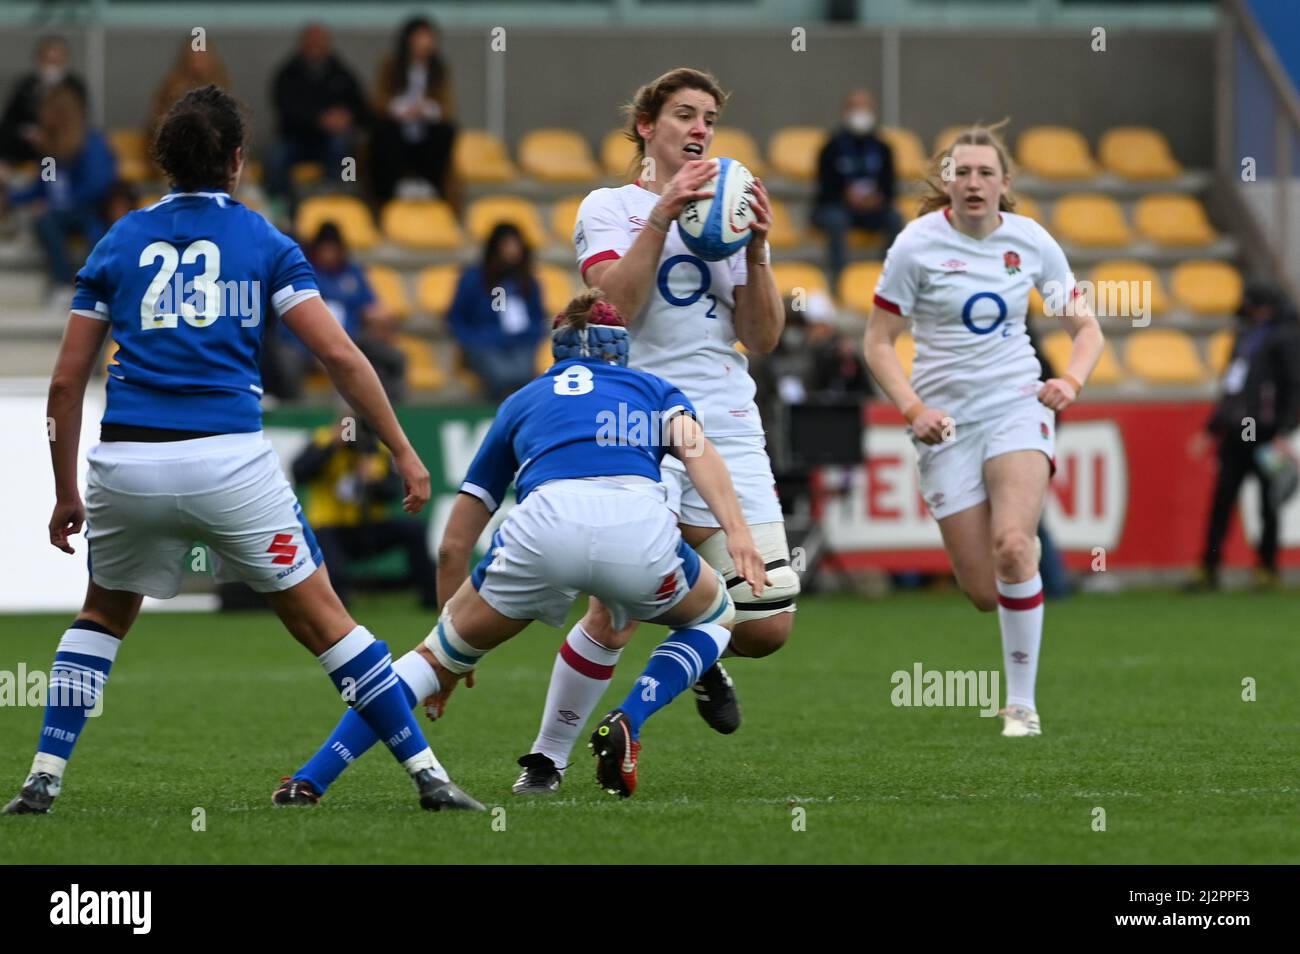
point(350, 482)
point(319, 108)
point(497, 316)
point(414, 107)
point(346, 291)
point(193, 68)
point(1257, 411)
point(118, 201)
point(20, 123)
point(68, 200)
point(855, 183)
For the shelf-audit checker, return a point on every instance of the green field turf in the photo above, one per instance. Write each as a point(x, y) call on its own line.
point(1140, 696)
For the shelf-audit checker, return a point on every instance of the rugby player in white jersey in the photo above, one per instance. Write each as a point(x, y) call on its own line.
point(688, 315)
point(983, 423)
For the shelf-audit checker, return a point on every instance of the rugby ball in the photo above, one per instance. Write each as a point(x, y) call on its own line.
point(718, 227)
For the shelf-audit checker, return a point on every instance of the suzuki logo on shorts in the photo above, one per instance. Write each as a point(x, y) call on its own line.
point(667, 589)
point(284, 548)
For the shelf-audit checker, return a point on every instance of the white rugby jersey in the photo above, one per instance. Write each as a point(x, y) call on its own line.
point(967, 300)
point(684, 332)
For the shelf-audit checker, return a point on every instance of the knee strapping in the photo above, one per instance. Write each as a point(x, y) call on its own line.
point(779, 595)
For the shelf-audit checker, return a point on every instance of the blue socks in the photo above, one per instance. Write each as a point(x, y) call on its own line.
point(674, 667)
point(77, 680)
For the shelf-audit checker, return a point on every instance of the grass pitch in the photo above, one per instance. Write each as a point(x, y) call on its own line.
point(1141, 698)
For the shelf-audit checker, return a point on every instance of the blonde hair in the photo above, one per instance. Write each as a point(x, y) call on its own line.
point(650, 98)
point(934, 196)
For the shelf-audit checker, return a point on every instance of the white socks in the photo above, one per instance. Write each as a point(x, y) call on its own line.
point(1020, 613)
point(582, 671)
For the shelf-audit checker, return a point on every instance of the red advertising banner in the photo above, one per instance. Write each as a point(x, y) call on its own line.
point(1124, 482)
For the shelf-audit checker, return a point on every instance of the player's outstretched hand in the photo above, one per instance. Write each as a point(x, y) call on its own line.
point(686, 186)
point(436, 704)
point(748, 561)
point(66, 520)
point(1056, 393)
point(933, 426)
point(416, 477)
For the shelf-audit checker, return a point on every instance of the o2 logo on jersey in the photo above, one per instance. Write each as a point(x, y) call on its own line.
point(968, 319)
point(705, 280)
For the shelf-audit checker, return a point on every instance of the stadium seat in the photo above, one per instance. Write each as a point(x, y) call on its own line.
point(557, 155)
point(544, 359)
point(564, 217)
point(389, 288)
point(1219, 350)
point(1036, 305)
point(1163, 356)
point(792, 152)
point(480, 157)
point(910, 162)
point(347, 212)
point(784, 233)
point(1137, 152)
point(423, 373)
point(1113, 287)
point(1057, 348)
point(739, 145)
point(132, 151)
point(435, 287)
point(791, 275)
point(617, 154)
point(306, 173)
point(1108, 371)
point(1094, 220)
point(908, 205)
point(1055, 152)
point(1207, 287)
point(947, 135)
point(906, 349)
point(857, 285)
point(421, 224)
point(486, 212)
point(1173, 219)
point(558, 287)
point(1029, 208)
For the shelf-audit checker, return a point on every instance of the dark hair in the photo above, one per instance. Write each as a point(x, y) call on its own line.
point(495, 271)
point(437, 66)
point(329, 232)
point(196, 141)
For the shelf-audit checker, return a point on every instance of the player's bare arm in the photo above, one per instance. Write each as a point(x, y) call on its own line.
point(356, 380)
point(1085, 332)
point(883, 329)
point(709, 475)
point(759, 317)
point(82, 341)
point(468, 519)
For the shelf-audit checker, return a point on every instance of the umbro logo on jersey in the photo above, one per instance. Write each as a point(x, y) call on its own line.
point(284, 548)
point(952, 266)
point(637, 221)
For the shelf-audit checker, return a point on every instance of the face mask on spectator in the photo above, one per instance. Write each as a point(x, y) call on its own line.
point(860, 121)
point(52, 75)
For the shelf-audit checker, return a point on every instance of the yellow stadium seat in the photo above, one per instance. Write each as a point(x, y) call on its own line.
point(784, 233)
point(480, 157)
point(1036, 305)
point(793, 151)
point(423, 373)
point(1137, 152)
point(543, 360)
point(1094, 220)
point(558, 287)
point(617, 157)
point(1055, 152)
point(564, 216)
point(1207, 288)
point(347, 212)
point(1108, 370)
point(557, 155)
point(1219, 350)
point(435, 287)
point(1029, 208)
point(1163, 356)
point(306, 173)
point(946, 137)
point(857, 285)
point(1113, 283)
point(908, 205)
point(910, 162)
point(739, 145)
point(132, 151)
point(906, 349)
point(421, 224)
point(486, 212)
point(389, 288)
point(1057, 348)
point(1173, 219)
point(791, 275)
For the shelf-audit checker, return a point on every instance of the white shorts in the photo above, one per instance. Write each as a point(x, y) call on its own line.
point(751, 473)
point(147, 505)
point(952, 472)
point(613, 538)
